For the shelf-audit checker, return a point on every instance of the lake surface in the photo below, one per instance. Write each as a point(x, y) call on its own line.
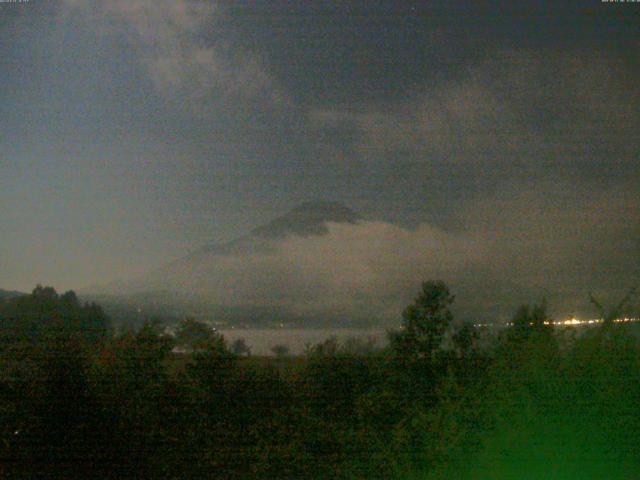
point(261, 341)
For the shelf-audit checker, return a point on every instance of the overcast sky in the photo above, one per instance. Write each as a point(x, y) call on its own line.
point(134, 131)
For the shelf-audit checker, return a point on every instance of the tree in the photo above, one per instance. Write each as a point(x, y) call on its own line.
point(615, 312)
point(328, 348)
point(46, 315)
point(194, 334)
point(528, 320)
point(464, 339)
point(358, 346)
point(280, 351)
point(239, 347)
point(424, 322)
point(133, 391)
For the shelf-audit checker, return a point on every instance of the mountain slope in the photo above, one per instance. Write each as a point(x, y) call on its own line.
point(4, 294)
point(306, 220)
point(230, 280)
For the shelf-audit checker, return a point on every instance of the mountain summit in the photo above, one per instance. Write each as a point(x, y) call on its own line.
point(201, 267)
point(307, 219)
point(246, 280)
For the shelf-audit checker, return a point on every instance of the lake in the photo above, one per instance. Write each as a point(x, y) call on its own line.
point(262, 340)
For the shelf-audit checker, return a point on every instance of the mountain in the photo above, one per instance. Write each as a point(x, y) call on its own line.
point(4, 294)
point(306, 220)
point(231, 282)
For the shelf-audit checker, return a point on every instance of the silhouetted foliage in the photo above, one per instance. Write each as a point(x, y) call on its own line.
point(45, 315)
point(608, 315)
point(529, 321)
point(280, 351)
point(239, 347)
point(195, 335)
point(533, 402)
point(464, 340)
point(424, 322)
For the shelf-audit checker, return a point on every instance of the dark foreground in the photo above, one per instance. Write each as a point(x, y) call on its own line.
point(77, 401)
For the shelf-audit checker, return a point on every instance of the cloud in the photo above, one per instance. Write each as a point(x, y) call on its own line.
point(557, 240)
point(517, 246)
point(509, 109)
point(368, 269)
point(183, 49)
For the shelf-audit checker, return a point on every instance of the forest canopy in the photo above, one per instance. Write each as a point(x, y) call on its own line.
point(441, 400)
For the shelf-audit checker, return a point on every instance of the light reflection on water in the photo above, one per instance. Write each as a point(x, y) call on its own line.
point(261, 341)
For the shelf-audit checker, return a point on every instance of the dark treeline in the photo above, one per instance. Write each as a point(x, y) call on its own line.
point(79, 401)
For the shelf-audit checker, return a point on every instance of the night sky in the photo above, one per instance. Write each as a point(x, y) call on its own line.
point(135, 131)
